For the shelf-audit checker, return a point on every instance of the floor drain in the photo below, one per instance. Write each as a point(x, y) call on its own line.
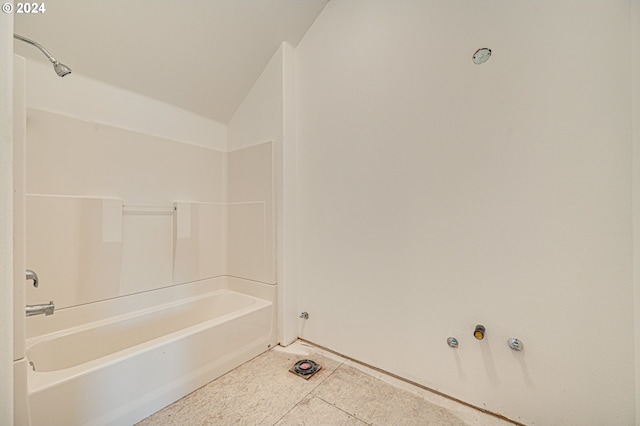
point(305, 368)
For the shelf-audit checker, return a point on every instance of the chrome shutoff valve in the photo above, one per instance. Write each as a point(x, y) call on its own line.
point(515, 344)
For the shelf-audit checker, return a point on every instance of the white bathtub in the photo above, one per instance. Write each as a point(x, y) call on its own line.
point(119, 370)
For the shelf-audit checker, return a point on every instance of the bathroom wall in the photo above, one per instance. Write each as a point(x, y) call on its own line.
point(635, 117)
point(6, 221)
point(20, 407)
point(266, 115)
point(19, 137)
point(112, 235)
point(129, 150)
point(434, 194)
point(95, 251)
point(97, 102)
point(251, 214)
point(139, 168)
point(259, 117)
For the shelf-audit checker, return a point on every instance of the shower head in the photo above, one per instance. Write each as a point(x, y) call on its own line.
point(60, 69)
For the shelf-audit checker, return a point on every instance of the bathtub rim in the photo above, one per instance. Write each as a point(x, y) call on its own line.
point(40, 380)
point(32, 341)
point(73, 316)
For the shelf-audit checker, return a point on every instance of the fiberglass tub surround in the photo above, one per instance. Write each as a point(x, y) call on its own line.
point(155, 295)
point(118, 360)
point(108, 249)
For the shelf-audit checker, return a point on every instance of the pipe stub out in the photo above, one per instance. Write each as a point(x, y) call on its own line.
point(479, 331)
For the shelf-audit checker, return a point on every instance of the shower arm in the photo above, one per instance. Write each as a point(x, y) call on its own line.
point(53, 60)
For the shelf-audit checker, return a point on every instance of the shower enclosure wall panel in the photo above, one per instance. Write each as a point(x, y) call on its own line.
point(190, 249)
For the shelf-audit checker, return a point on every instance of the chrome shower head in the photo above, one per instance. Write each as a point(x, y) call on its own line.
point(59, 68)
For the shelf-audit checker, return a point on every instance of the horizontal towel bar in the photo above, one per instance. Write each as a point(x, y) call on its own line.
point(148, 210)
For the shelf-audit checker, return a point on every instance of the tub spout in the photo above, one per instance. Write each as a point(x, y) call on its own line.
point(40, 309)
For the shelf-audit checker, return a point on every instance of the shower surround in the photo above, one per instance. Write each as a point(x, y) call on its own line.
point(160, 261)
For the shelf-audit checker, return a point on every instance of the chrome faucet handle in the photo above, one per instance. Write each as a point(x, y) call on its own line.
point(31, 275)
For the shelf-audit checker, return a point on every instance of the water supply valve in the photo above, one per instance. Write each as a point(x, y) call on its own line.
point(515, 344)
point(478, 333)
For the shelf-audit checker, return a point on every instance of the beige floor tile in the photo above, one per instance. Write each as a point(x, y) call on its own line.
point(375, 401)
point(259, 392)
point(313, 411)
point(352, 391)
point(264, 392)
point(468, 415)
point(404, 408)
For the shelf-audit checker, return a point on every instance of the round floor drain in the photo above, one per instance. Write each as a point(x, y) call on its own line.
point(305, 367)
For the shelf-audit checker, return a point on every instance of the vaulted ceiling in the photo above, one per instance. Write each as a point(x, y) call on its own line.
point(200, 55)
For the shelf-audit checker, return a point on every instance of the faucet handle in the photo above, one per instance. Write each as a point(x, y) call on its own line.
point(31, 275)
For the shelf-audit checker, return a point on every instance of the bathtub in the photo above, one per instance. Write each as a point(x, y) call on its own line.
point(117, 371)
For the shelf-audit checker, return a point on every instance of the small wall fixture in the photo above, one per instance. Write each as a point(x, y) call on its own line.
point(515, 344)
point(304, 315)
point(31, 275)
point(479, 331)
point(481, 56)
point(452, 342)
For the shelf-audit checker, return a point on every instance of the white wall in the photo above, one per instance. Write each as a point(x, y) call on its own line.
point(259, 117)
point(251, 214)
point(6, 221)
point(123, 146)
point(289, 320)
point(635, 117)
point(267, 114)
point(140, 169)
point(75, 158)
point(435, 194)
point(19, 138)
point(80, 97)
point(20, 408)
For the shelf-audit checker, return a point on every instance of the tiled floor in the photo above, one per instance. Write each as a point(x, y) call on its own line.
point(264, 392)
